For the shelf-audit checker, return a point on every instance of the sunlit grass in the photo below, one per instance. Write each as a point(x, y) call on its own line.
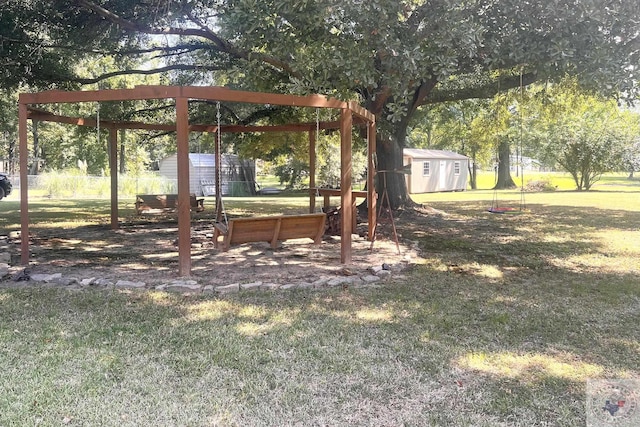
point(530, 367)
point(374, 315)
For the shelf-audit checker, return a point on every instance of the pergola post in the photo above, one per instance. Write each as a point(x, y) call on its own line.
point(184, 208)
point(113, 170)
point(346, 222)
point(24, 184)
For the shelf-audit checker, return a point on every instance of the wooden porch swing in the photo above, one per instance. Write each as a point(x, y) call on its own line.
point(271, 229)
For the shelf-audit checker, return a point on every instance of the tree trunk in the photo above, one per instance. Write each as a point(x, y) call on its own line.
point(247, 173)
point(389, 146)
point(123, 165)
point(34, 169)
point(11, 167)
point(504, 180)
point(390, 171)
point(473, 174)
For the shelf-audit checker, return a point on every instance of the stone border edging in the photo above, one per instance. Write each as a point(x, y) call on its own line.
point(21, 276)
point(18, 276)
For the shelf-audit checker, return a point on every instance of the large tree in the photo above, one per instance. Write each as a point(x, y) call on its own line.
point(395, 55)
point(581, 132)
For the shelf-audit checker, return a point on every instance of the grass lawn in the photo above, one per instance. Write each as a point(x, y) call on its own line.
point(500, 323)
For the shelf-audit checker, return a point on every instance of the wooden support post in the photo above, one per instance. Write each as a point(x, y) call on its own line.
point(312, 171)
point(372, 196)
point(184, 211)
point(113, 170)
point(24, 184)
point(346, 122)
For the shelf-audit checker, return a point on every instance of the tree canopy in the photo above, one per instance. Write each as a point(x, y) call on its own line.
point(393, 55)
point(583, 133)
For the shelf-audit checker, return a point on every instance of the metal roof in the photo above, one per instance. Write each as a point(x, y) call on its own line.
point(204, 160)
point(421, 153)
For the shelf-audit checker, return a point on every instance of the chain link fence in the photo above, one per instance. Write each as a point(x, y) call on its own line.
point(96, 187)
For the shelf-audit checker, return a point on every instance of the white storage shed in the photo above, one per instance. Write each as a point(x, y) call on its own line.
point(435, 170)
point(202, 172)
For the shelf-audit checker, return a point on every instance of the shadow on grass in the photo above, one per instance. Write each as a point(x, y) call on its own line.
point(467, 234)
point(498, 324)
point(516, 353)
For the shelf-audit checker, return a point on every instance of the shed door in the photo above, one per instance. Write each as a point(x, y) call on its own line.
point(442, 181)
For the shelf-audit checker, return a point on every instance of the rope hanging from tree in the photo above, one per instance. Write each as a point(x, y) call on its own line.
point(495, 207)
point(521, 119)
point(317, 138)
point(221, 214)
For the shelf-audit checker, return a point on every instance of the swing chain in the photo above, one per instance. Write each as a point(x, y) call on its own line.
point(218, 168)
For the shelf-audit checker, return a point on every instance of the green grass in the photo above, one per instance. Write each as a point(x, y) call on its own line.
point(561, 180)
point(500, 323)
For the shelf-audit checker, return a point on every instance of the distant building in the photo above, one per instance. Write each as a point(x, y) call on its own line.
point(435, 170)
point(527, 163)
point(202, 173)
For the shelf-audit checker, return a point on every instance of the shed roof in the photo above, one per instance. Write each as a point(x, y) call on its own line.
point(421, 153)
point(205, 160)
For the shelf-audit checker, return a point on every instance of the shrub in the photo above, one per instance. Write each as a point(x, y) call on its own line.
point(540, 185)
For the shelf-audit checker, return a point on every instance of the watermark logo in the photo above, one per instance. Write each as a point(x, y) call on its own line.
point(613, 402)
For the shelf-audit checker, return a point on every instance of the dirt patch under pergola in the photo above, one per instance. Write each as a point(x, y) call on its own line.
point(146, 249)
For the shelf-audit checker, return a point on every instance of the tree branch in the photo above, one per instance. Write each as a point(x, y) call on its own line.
point(419, 96)
point(418, 14)
point(204, 32)
point(183, 67)
point(483, 91)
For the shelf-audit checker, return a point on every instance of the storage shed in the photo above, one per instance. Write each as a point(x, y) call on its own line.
point(202, 172)
point(435, 170)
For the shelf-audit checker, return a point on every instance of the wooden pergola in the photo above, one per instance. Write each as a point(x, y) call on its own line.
point(351, 114)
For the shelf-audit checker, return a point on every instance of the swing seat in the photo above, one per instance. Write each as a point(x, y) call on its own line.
point(148, 203)
point(270, 229)
point(504, 210)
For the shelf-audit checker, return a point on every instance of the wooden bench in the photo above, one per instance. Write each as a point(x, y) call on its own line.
point(270, 229)
point(165, 202)
point(327, 193)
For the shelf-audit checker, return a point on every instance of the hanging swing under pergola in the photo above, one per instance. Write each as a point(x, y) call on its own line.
point(351, 114)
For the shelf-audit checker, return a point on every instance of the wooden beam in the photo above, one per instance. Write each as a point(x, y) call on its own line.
point(103, 95)
point(90, 122)
point(210, 93)
point(184, 208)
point(293, 127)
point(24, 184)
point(46, 116)
point(223, 94)
point(361, 112)
point(346, 220)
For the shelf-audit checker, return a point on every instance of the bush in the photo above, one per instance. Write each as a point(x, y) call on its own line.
point(540, 185)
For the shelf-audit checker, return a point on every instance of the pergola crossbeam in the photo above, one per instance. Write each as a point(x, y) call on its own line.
point(45, 116)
